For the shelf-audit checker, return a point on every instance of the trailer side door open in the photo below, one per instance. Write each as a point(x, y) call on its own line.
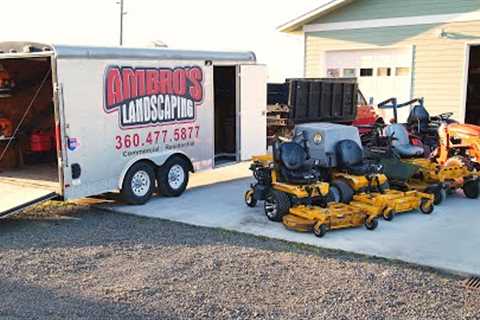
point(253, 110)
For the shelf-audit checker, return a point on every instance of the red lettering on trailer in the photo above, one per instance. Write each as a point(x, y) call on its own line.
point(153, 96)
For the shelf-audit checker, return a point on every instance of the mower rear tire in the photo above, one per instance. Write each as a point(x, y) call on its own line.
point(425, 206)
point(276, 205)
point(343, 189)
point(320, 230)
point(471, 189)
point(372, 225)
point(250, 199)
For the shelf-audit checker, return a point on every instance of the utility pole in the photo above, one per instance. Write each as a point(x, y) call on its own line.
point(122, 13)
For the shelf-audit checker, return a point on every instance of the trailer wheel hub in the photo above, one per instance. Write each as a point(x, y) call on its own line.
point(141, 183)
point(176, 176)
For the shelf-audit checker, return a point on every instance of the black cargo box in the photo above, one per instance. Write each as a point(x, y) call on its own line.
point(277, 93)
point(322, 100)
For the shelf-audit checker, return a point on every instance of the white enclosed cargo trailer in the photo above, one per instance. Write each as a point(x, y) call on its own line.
point(89, 120)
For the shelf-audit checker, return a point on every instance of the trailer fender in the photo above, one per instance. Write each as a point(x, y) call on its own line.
point(157, 160)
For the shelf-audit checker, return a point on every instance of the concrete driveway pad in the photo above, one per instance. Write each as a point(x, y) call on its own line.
point(448, 239)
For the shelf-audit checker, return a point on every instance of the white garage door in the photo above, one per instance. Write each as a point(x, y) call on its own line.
point(381, 73)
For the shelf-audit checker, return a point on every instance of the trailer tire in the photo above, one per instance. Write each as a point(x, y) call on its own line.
point(138, 184)
point(172, 177)
point(343, 189)
point(471, 189)
point(276, 205)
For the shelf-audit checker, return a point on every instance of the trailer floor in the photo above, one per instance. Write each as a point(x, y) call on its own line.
point(447, 239)
point(44, 176)
point(20, 186)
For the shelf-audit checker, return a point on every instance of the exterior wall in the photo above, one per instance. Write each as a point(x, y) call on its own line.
point(439, 63)
point(379, 9)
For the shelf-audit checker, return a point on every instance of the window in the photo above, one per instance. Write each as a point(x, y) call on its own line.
point(333, 73)
point(402, 71)
point(384, 72)
point(366, 72)
point(349, 73)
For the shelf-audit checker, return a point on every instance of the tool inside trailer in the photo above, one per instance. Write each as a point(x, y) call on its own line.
point(28, 153)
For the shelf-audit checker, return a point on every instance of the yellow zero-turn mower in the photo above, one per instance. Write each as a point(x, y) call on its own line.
point(293, 193)
point(424, 173)
point(355, 180)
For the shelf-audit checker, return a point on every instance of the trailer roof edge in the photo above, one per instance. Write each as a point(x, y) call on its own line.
point(95, 52)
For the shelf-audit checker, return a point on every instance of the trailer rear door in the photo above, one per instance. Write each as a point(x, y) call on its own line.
point(16, 197)
point(253, 110)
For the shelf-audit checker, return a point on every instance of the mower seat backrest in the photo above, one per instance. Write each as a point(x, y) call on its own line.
point(292, 163)
point(349, 153)
point(401, 141)
point(419, 118)
point(350, 159)
point(292, 155)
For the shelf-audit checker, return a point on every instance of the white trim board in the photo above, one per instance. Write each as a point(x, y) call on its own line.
point(394, 22)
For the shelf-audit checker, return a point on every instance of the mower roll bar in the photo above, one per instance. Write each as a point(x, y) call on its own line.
point(392, 104)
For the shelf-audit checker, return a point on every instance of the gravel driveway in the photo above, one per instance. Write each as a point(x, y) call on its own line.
point(79, 263)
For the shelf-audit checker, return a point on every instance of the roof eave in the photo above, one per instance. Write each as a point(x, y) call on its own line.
point(296, 25)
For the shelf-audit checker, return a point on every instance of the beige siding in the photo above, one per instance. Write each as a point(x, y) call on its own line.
point(439, 63)
point(378, 9)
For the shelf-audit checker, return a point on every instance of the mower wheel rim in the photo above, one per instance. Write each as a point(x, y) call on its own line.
point(270, 208)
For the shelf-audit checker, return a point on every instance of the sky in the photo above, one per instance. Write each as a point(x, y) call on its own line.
point(245, 25)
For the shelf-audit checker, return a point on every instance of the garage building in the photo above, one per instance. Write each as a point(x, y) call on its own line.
point(403, 49)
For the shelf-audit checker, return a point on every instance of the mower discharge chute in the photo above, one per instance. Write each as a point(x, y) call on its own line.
point(291, 186)
point(355, 180)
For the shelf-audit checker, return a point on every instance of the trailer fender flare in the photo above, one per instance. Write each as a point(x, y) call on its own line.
point(156, 160)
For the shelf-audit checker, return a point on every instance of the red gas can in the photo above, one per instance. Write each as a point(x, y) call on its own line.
point(41, 141)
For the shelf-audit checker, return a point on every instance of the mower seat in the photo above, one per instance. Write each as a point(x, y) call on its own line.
point(293, 165)
point(419, 120)
point(350, 158)
point(401, 142)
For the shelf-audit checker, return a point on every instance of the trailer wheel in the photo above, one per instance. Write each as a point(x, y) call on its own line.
point(426, 207)
point(173, 177)
point(250, 198)
point(139, 184)
point(342, 188)
point(319, 230)
point(471, 189)
point(276, 205)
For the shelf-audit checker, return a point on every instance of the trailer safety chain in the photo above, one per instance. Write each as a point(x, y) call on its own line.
point(35, 96)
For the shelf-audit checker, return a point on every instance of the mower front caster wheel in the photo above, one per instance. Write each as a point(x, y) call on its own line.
point(319, 230)
point(371, 225)
point(250, 199)
point(388, 215)
point(439, 196)
point(426, 207)
point(277, 205)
